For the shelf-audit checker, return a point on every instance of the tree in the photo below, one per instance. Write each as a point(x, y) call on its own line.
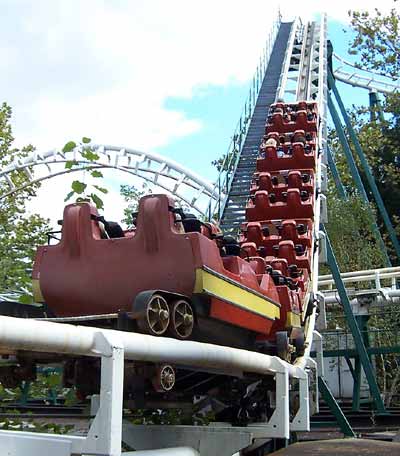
point(349, 228)
point(377, 40)
point(132, 196)
point(377, 44)
point(20, 233)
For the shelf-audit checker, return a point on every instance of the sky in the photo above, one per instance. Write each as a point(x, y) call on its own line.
point(164, 76)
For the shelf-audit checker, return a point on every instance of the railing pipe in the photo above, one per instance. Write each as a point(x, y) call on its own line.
point(49, 337)
point(364, 278)
point(393, 269)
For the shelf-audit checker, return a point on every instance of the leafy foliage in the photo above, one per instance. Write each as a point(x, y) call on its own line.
point(78, 188)
point(378, 45)
point(132, 196)
point(48, 386)
point(20, 232)
point(225, 162)
point(349, 229)
point(377, 41)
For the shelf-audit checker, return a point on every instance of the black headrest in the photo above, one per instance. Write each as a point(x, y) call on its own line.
point(191, 225)
point(114, 229)
point(230, 240)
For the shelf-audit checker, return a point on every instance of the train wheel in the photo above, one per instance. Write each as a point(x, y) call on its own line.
point(156, 316)
point(282, 345)
point(164, 379)
point(182, 319)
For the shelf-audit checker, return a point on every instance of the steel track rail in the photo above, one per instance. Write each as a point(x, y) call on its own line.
point(311, 82)
point(160, 171)
point(284, 78)
point(372, 82)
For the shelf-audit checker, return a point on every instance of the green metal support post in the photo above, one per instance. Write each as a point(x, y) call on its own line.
point(336, 410)
point(335, 174)
point(25, 389)
point(346, 149)
point(355, 174)
point(375, 107)
point(356, 385)
point(367, 169)
point(362, 322)
point(355, 330)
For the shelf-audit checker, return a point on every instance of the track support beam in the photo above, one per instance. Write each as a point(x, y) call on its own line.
point(336, 410)
point(367, 170)
point(355, 174)
point(104, 436)
point(355, 330)
point(335, 174)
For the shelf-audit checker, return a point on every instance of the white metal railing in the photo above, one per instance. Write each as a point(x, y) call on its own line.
point(104, 436)
point(369, 275)
point(353, 65)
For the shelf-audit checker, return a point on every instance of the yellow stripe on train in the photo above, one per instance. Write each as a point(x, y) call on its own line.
point(293, 320)
point(216, 285)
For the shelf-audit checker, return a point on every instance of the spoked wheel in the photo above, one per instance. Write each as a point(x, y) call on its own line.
point(282, 345)
point(156, 316)
point(182, 319)
point(164, 379)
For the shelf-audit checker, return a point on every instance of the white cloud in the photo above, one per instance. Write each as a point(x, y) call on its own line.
point(104, 69)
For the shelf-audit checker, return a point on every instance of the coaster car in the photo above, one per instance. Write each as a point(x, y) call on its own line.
point(173, 275)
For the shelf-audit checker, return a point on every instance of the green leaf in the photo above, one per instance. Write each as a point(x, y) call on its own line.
point(97, 201)
point(69, 196)
point(78, 187)
point(100, 189)
point(84, 199)
point(96, 174)
point(70, 163)
point(53, 380)
point(86, 140)
point(26, 299)
point(90, 155)
point(69, 146)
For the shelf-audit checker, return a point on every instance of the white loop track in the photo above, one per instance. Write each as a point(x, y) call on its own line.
point(183, 184)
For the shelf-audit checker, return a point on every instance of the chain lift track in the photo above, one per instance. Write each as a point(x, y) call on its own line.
point(303, 77)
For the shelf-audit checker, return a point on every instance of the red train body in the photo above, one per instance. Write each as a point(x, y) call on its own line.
point(172, 273)
point(87, 275)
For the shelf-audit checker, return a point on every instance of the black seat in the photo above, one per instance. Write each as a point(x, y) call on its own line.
point(114, 230)
point(231, 246)
point(191, 223)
